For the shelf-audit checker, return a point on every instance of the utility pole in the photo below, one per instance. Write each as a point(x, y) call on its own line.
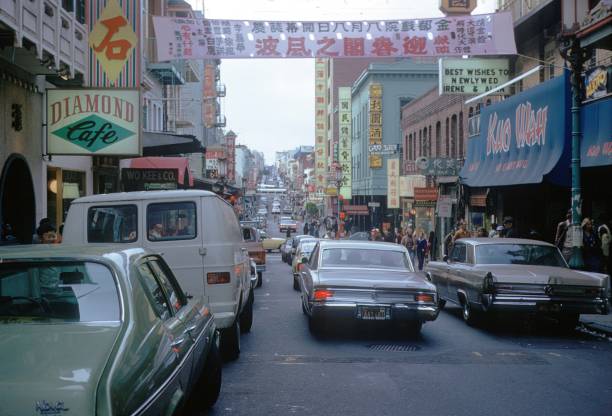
point(575, 56)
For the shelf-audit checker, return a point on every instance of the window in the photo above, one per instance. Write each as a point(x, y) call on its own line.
point(364, 258)
point(248, 234)
point(154, 292)
point(532, 254)
point(58, 291)
point(171, 221)
point(438, 139)
point(458, 255)
point(112, 224)
point(173, 292)
point(314, 258)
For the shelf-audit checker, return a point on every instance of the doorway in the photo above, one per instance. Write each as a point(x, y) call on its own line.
point(17, 204)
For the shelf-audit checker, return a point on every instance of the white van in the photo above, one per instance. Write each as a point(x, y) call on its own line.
point(196, 232)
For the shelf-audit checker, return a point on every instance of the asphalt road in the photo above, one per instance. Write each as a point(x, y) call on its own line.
point(506, 368)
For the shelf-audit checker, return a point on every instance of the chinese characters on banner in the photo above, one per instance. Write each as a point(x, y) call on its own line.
point(113, 43)
point(209, 96)
point(181, 38)
point(230, 145)
point(376, 160)
point(321, 123)
point(345, 146)
point(393, 188)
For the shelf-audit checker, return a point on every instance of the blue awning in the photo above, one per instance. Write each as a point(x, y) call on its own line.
point(523, 140)
point(596, 145)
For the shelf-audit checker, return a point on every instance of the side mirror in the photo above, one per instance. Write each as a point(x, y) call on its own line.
point(304, 260)
point(445, 258)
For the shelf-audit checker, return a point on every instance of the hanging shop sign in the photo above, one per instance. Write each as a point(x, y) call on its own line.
point(93, 122)
point(320, 124)
point(407, 184)
point(148, 179)
point(345, 146)
point(376, 133)
point(444, 206)
point(114, 49)
point(438, 166)
point(210, 93)
point(393, 191)
point(356, 209)
point(597, 82)
point(181, 38)
point(596, 143)
point(425, 194)
point(472, 76)
point(457, 6)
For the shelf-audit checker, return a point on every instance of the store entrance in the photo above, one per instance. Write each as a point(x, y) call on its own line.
point(17, 204)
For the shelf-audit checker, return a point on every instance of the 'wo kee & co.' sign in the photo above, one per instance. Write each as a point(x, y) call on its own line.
point(93, 122)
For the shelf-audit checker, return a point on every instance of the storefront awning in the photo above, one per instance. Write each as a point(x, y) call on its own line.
point(523, 140)
point(165, 144)
point(596, 145)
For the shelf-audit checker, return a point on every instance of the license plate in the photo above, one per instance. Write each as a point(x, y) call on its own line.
point(373, 313)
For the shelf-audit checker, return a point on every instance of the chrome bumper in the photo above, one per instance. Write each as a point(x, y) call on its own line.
point(399, 311)
point(545, 304)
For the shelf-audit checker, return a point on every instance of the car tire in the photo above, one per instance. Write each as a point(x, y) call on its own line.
point(230, 341)
point(296, 285)
point(246, 317)
point(303, 306)
point(468, 314)
point(441, 303)
point(208, 387)
point(259, 279)
point(314, 326)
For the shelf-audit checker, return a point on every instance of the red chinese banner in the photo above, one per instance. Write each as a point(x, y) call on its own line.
point(487, 34)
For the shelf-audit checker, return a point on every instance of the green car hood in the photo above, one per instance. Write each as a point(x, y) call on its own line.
point(52, 368)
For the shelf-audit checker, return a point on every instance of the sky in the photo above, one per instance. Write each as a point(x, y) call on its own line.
point(270, 103)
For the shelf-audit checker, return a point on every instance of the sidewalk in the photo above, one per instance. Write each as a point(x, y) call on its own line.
point(599, 323)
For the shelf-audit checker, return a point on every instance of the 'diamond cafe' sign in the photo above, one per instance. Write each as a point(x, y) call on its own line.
point(93, 122)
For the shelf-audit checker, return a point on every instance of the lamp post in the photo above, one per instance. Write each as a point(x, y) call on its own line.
point(575, 56)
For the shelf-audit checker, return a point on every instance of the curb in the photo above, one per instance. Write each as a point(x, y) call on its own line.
point(597, 327)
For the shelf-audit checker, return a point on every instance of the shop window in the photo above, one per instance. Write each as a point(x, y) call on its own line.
point(112, 224)
point(63, 186)
point(171, 221)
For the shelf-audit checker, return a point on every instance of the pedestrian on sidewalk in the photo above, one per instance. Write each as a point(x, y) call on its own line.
point(461, 232)
point(509, 230)
point(604, 237)
point(432, 243)
point(493, 232)
point(305, 228)
point(421, 249)
point(561, 241)
point(408, 242)
point(591, 249)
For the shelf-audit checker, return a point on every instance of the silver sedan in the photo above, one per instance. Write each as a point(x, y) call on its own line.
point(364, 281)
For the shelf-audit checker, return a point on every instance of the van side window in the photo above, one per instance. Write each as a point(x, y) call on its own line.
point(171, 221)
point(112, 224)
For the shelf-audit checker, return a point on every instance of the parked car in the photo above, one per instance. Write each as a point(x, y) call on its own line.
point(262, 211)
point(354, 281)
point(303, 250)
point(256, 250)
point(276, 210)
point(289, 224)
point(361, 235)
point(271, 243)
point(483, 275)
point(289, 248)
point(195, 231)
point(101, 330)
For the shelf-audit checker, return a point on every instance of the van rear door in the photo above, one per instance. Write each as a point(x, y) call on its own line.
point(172, 228)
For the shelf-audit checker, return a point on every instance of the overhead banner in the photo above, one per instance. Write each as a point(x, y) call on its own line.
point(487, 34)
point(472, 76)
point(321, 124)
point(376, 135)
point(114, 50)
point(393, 186)
point(93, 122)
point(345, 146)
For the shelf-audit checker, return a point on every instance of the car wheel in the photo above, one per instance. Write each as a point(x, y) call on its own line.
point(314, 326)
point(208, 386)
point(468, 314)
point(246, 317)
point(259, 279)
point(230, 341)
point(296, 285)
point(303, 306)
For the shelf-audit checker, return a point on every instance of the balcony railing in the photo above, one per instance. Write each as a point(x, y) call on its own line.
point(220, 121)
point(221, 90)
point(523, 8)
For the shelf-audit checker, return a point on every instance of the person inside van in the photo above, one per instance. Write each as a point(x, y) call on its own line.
point(156, 232)
point(183, 225)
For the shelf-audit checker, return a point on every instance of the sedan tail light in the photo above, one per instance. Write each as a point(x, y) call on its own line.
point(217, 278)
point(424, 297)
point(321, 294)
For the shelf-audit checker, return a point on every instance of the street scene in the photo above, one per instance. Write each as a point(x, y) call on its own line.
point(315, 207)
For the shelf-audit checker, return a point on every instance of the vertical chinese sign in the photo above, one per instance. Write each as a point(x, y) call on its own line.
point(344, 145)
point(393, 194)
point(321, 124)
point(210, 95)
point(114, 47)
point(376, 161)
point(230, 145)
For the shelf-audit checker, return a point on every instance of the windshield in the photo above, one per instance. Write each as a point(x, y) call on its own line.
point(531, 254)
point(58, 291)
point(365, 258)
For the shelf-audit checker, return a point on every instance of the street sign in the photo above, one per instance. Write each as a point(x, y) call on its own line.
point(383, 149)
point(374, 204)
point(444, 206)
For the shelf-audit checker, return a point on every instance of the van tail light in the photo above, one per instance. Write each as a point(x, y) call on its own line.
point(424, 297)
point(321, 294)
point(216, 278)
point(300, 266)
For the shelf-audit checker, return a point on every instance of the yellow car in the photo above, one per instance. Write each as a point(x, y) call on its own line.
point(271, 243)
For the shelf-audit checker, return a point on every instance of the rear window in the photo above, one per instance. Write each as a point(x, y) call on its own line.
point(58, 291)
point(365, 258)
point(112, 224)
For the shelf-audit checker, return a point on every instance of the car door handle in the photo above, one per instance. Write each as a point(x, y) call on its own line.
point(191, 328)
point(177, 342)
point(202, 251)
